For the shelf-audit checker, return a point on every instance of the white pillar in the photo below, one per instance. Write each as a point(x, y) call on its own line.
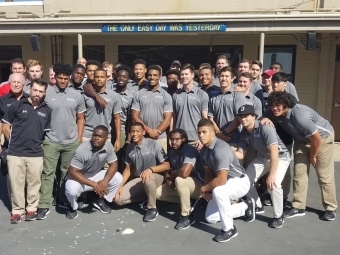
point(80, 46)
point(261, 47)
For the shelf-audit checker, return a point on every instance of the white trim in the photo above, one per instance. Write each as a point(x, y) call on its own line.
point(112, 161)
point(317, 130)
point(187, 162)
point(6, 122)
point(82, 111)
point(326, 130)
point(135, 109)
point(75, 166)
point(272, 144)
point(29, 3)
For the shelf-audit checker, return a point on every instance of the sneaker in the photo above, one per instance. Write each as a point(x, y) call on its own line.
point(277, 222)
point(81, 203)
point(150, 215)
point(259, 210)
point(329, 215)
point(42, 213)
point(267, 200)
point(185, 222)
point(31, 216)
point(15, 219)
point(63, 205)
point(293, 212)
point(285, 203)
point(71, 214)
point(144, 205)
point(101, 205)
point(250, 212)
point(225, 236)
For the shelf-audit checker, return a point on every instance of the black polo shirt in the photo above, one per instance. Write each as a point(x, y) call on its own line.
point(7, 100)
point(27, 128)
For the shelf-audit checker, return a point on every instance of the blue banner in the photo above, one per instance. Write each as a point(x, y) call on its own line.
point(176, 27)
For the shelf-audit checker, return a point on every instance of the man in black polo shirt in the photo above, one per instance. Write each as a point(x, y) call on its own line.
point(25, 123)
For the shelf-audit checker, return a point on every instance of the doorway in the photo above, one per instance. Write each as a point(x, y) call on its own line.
point(336, 102)
point(4, 71)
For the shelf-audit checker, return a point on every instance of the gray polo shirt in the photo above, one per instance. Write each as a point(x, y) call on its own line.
point(290, 88)
point(96, 115)
point(188, 107)
point(219, 156)
point(64, 107)
point(147, 154)
point(254, 101)
point(216, 81)
point(255, 89)
point(126, 102)
point(223, 108)
point(133, 87)
point(260, 139)
point(90, 161)
point(111, 84)
point(79, 89)
point(187, 154)
point(266, 95)
point(27, 87)
point(301, 122)
point(151, 106)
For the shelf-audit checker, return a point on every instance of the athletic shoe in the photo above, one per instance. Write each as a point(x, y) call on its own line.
point(329, 215)
point(225, 236)
point(42, 213)
point(31, 216)
point(81, 203)
point(101, 205)
point(71, 214)
point(293, 212)
point(63, 205)
point(150, 215)
point(259, 210)
point(15, 219)
point(267, 200)
point(144, 205)
point(185, 222)
point(277, 222)
point(250, 212)
point(285, 203)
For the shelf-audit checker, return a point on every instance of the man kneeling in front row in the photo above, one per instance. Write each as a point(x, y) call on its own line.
point(185, 178)
point(86, 172)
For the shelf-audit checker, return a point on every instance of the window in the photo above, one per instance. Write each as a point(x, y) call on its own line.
point(8, 52)
point(193, 54)
point(284, 54)
point(90, 52)
point(337, 54)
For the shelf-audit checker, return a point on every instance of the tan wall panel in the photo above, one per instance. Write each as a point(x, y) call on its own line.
point(175, 6)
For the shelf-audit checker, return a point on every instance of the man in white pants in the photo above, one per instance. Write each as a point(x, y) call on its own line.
point(272, 157)
point(224, 181)
point(86, 172)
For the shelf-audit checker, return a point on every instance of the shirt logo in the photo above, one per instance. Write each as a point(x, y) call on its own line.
point(8, 104)
point(53, 99)
point(24, 111)
point(70, 99)
point(42, 114)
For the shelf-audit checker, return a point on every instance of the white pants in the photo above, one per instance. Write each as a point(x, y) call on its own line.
point(259, 167)
point(73, 189)
point(220, 207)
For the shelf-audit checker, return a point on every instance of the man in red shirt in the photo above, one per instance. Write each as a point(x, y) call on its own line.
point(17, 66)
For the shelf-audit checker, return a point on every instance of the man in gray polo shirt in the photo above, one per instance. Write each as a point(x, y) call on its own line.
point(86, 172)
point(152, 107)
point(185, 178)
point(67, 126)
point(224, 181)
point(145, 159)
point(223, 107)
point(139, 71)
point(314, 144)
point(190, 105)
point(272, 157)
point(96, 115)
point(78, 74)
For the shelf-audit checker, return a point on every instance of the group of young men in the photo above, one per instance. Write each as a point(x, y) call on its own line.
point(135, 135)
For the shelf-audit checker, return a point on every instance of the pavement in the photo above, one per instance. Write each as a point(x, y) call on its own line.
point(95, 233)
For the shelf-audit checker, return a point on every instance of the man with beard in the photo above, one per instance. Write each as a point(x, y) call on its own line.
point(77, 76)
point(205, 75)
point(173, 77)
point(221, 61)
point(25, 123)
point(153, 108)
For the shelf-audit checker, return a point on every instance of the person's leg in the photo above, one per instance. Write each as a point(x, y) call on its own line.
point(133, 192)
point(34, 168)
point(73, 190)
point(165, 193)
point(113, 186)
point(121, 153)
point(234, 189)
point(250, 156)
point(287, 180)
point(164, 143)
point(66, 155)
point(186, 188)
point(325, 173)
point(277, 192)
point(150, 187)
point(301, 173)
point(16, 176)
point(51, 157)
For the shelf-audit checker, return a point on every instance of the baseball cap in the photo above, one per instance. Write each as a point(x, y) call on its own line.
point(268, 72)
point(176, 62)
point(246, 110)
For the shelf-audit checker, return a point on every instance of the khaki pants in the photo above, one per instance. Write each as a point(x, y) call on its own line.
point(136, 191)
point(187, 188)
point(324, 171)
point(164, 143)
point(24, 171)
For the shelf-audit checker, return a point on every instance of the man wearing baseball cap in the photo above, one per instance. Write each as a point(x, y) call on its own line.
point(272, 157)
point(176, 64)
point(266, 85)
